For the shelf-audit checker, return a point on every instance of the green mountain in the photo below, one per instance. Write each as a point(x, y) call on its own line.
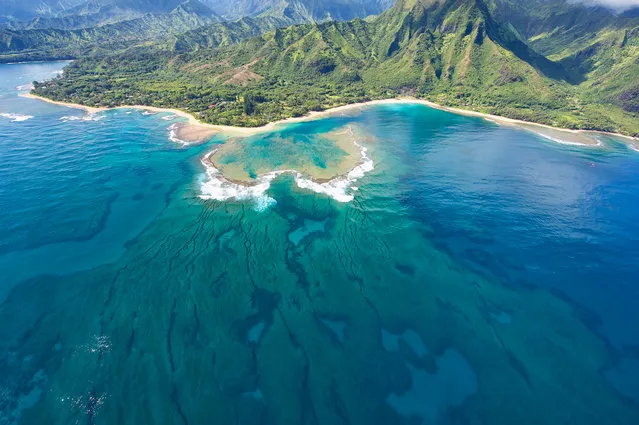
point(110, 25)
point(225, 33)
point(31, 44)
point(454, 52)
point(596, 45)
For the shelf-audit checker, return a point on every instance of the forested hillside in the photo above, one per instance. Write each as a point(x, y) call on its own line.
point(455, 52)
point(34, 44)
point(99, 26)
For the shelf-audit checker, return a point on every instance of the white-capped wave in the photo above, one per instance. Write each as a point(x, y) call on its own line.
point(340, 188)
point(88, 117)
point(566, 142)
point(15, 117)
point(169, 117)
point(147, 112)
point(219, 188)
point(173, 135)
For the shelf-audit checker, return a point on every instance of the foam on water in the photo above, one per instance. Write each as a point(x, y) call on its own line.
point(340, 188)
point(218, 188)
point(88, 117)
point(565, 142)
point(169, 117)
point(173, 135)
point(15, 117)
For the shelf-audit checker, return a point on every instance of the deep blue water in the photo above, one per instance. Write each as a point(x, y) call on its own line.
point(480, 275)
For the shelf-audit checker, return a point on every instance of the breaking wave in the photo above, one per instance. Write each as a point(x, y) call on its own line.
point(173, 135)
point(89, 117)
point(16, 117)
point(341, 188)
point(219, 188)
point(566, 142)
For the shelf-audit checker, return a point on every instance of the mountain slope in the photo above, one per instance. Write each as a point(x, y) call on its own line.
point(224, 33)
point(451, 51)
point(596, 45)
point(100, 25)
point(57, 43)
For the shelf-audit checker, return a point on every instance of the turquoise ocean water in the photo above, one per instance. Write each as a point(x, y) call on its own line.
point(465, 274)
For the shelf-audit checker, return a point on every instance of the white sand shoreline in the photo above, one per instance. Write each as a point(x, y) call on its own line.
point(573, 137)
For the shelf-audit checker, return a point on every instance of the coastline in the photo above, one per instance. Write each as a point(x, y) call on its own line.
point(197, 129)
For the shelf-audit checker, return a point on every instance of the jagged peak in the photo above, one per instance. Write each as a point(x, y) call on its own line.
point(409, 18)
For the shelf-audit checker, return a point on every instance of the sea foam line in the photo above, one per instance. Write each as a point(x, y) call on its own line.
point(565, 142)
point(341, 188)
point(89, 117)
point(173, 135)
point(15, 117)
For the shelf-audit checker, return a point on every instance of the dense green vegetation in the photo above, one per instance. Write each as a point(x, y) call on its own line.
point(454, 52)
point(52, 43)
point(108, 26)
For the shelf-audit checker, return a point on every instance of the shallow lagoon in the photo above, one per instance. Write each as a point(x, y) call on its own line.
point(480, 274)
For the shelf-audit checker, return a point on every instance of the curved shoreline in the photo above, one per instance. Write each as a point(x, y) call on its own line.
point(556, 134)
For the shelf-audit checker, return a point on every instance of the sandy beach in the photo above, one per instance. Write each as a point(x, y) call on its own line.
point(89, 109)
point(188, 134)
point(195, 131)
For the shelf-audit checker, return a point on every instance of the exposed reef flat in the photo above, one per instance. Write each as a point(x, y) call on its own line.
point(322, 158)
